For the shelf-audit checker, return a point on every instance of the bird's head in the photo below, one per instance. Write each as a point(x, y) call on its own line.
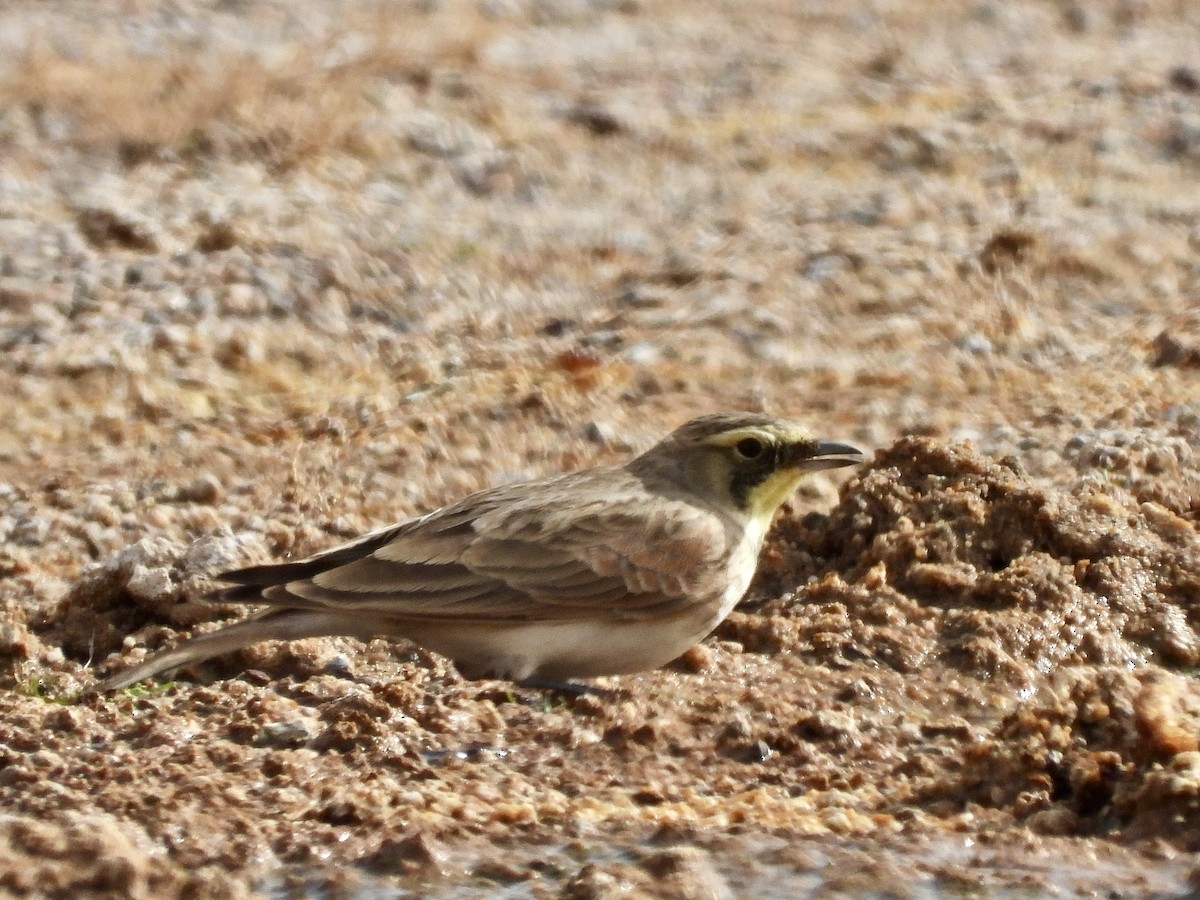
point(747, 463)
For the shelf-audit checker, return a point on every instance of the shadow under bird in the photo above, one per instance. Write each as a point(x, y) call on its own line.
point(600, 572)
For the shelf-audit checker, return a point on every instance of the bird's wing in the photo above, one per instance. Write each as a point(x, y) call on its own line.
point(561, 549)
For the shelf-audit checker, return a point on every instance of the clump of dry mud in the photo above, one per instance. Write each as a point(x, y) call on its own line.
point(972, 562)
point(1084, 599)
point(1103, 750)
point(152, 581)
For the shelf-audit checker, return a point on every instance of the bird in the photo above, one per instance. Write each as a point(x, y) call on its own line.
point(600, 572)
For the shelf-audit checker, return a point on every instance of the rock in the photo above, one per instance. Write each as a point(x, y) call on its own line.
point(282, 735)
point(689, 873)
point(1167, 711)
point(414, 853)
point(205, 489)
point(105, 228)
point(1179, 344)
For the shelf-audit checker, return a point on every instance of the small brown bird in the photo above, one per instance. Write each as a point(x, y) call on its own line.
point(600, 572)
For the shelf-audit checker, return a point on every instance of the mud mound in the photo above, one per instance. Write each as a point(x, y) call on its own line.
point(937, 550)
point(152, 581)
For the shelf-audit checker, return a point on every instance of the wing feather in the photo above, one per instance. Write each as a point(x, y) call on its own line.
point(375, 576)
point(560, 549)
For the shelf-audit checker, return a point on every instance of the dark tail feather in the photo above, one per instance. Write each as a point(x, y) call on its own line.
point(277, 573)
point(281, 573)
point(286, 625)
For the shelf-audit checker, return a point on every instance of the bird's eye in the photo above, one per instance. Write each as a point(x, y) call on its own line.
point(749, 448)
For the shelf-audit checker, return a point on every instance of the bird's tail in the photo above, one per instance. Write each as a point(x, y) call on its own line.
point(283, 625)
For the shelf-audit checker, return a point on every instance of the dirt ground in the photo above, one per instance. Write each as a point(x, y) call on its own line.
point(274, 274)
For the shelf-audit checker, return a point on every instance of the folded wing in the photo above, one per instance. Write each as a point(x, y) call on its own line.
point(502, 557)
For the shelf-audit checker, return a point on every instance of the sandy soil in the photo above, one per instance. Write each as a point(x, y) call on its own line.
point(273, 274)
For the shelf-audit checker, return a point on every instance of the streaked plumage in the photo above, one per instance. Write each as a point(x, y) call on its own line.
point(599, 572)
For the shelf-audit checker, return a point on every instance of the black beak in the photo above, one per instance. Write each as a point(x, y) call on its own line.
point(813, 456)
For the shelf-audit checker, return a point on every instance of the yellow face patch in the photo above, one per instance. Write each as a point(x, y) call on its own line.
point(765, 497)
point(759, 477)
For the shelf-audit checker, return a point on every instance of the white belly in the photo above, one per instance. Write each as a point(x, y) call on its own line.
point(580, 648)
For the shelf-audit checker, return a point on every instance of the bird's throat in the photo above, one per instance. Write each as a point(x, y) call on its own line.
point(764, 498)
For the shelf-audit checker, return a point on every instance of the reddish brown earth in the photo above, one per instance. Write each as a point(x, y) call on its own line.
point(272, 275)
